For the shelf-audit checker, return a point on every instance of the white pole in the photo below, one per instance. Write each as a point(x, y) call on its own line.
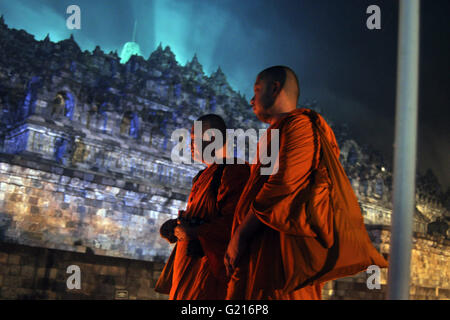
point(404, 150)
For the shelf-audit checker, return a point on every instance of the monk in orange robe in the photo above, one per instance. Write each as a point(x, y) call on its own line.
point(195, 269)
point(301, 226)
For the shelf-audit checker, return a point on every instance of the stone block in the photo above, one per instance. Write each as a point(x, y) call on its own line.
point(3, 258)
point(11, 281)
point(40, 273)
point(8, 293)
point(27, 271)
point(24, 293)
point(34, 210)
point(64, 206)
point(156, 275)
point(16, 197)
point(81, 209)
point(27, 283)
point(50, 187)
point(3, 185)
point(58, 286)
point(33, 200)
point(36, 184)
point(13, 259)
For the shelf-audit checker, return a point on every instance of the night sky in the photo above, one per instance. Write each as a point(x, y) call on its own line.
point(349, 70)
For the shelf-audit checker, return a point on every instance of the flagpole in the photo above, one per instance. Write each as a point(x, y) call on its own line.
point(404, 150)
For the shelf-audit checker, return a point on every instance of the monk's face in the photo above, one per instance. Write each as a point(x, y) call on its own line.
point(196, 150)
point(263, 99)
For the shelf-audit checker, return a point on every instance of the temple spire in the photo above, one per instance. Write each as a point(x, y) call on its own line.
point(130, 48)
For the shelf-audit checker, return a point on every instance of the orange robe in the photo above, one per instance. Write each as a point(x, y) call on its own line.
point(191, 278)
point(313, 232)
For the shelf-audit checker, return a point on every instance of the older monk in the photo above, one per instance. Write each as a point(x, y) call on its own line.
point(300, 226)
point(195, 269)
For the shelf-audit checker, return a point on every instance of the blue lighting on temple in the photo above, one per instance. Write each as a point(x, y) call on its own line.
point(104, 115)
point(213, 104)
point(60, 149)
point(178, 90)
point(29, 103)
point(70, 105)
point(73, 67)
point(134, 126)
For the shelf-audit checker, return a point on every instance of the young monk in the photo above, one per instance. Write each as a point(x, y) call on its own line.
point(302, 225)
point(195, 269)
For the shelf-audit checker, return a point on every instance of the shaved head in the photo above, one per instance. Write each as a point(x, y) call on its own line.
point(198, 141)
point(287, 79)
point(213, 121)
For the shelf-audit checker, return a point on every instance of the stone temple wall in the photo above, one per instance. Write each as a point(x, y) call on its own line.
point(41, 273)
point(85, 144)
point(85, 162)
point(52, 207)
point(430, 270)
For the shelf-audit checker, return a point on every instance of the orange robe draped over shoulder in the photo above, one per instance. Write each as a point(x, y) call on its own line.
point(299, 248)
point(191, 278)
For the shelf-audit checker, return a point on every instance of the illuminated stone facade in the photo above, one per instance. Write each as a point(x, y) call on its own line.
point(91, 144)
point(430, 270)
point(85, 151)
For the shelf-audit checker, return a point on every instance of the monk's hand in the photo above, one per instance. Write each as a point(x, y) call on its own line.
point(183, 231)
point(235, 251)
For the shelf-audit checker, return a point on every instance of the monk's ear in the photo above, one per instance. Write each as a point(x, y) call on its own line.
point(275, 88)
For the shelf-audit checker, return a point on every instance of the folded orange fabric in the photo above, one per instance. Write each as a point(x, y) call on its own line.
point(314, 226)
point(185, 277)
